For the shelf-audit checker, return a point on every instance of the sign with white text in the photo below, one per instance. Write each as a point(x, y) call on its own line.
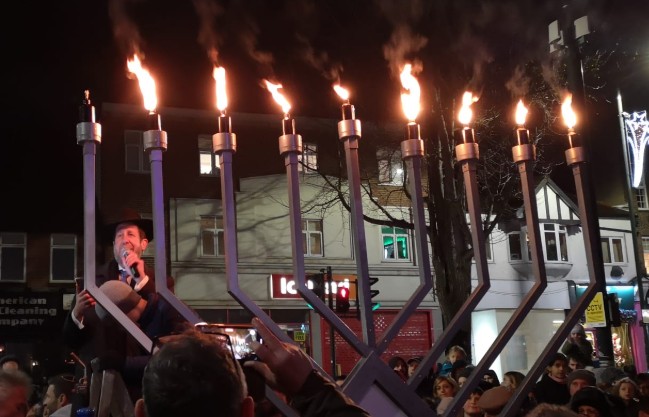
point(284, 287)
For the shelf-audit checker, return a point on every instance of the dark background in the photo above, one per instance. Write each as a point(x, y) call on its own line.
point(52, 51)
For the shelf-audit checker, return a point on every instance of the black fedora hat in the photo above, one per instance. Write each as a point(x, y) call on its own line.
point(128, 216)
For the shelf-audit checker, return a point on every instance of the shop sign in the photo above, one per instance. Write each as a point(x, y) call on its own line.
point(30, 313)
point(299, 336)
point(283, 286)
point(595, 316)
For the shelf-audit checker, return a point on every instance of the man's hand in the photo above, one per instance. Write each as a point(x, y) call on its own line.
point(132, 260)
point(83, 303)
point(285, 367)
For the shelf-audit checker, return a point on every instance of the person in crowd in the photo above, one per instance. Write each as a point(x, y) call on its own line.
point(607, 377)
point(491, 377)
point(642, 379)
point(58, 397)
point(578, 347)
point(551, 410)
point(454, 353)
point(413, 363)
point(399, 365)
point(552, 387)
point(513, 379)
point(463, 375)
point(15, 389)
point(289, 370)
point(444, 389)
point(627, 390)
point(457, 368)
point(591, 402)
point(579, 379)
point(643, 407)
point(10, 363)
point(575, 363)
point(471, 407)
point(494, 400)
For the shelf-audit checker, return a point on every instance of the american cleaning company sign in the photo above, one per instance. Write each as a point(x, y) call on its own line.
point(30, 313)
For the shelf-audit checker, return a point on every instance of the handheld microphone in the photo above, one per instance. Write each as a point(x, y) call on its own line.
point(134, 272)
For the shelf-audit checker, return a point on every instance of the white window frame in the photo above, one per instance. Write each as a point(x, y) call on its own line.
point(641, 197)
point(134, 140)
point(57, 245)
point(611, 251)
point(308, 159)
point(390, 167)
point(645, 251)
point(4, 236)
point(311, 231)
point(219, 249)
point(396, 233)
point(560, 233)
point(205, 149)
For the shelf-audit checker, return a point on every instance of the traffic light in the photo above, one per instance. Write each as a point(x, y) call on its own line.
point(342, 299)
point(318, 285)
point(374, 293)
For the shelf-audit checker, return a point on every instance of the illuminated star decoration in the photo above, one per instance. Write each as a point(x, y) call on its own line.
point(636, 128)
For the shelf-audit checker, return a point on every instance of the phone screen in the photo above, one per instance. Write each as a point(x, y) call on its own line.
point(240, 336)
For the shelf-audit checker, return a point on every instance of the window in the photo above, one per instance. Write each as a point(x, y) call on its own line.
point(613, 250)
point(488, 251)
point(641, 198)
point(309, 158)
point(645, 251)
point(12, 256)
point(63, 254)
point(554, 242)
point(390, 166)
point(312, 236)
point(212, 242)
point(395, 244)
point(208, 160)
point(515, 247)
point(136, 160)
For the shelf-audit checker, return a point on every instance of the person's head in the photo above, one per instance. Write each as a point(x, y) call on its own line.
point(124, 297)
point(626, 389)
point(456, 353)
point(193, 374)
point(398, 364)
point(444, 387)
point(590, 402)
point(575, 363)
point(463, 375)
point(578, 334)
point(9, 363)
point(471, 407)
point(642, 379)
point(129, 232)
point(513, 379)
point(59, 392)
point(551, 410)
point(495, 399)
point(558, 366)
point(413, 363)
point(491, 377)
point(15, 389)
point(579, 379)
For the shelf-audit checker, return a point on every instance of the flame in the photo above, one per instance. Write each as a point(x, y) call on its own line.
point(569, 116)
point(221, 93)
point(466, 114)
point(521, 113)
point(342, 92)
point(279, 98)
point(410, 100)
point(147, 84)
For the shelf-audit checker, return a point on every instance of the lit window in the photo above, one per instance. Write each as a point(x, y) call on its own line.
point(13, 251)
point(641, 198)
point(309, 158)
point(212, 241)
point(63, 254)
point(390, 166)
point(312, 236)
point(613, 250)
point(136, 160)
point(208, 160)
point(396, 246)
point(555, 246)
point(645, 251)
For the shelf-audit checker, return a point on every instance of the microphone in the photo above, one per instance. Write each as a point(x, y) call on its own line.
point(134, 272)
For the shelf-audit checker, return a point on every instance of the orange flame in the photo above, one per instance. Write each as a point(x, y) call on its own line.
point(342, 92)
point(521, 113)
point(147, 84)
point(466, 114)
point(569, 116)
point(410, 100)
point(279, 98)
point(221, 93)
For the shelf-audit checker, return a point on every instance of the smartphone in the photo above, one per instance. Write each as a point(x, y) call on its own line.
point(240, 338)
point(79, 283)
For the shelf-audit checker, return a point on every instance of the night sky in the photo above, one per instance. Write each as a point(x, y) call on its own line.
point(52, 51)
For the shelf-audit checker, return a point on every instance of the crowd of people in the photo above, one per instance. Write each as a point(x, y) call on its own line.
point(194, 373)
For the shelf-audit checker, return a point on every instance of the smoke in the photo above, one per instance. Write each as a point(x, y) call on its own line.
point(401, 47)
point(519, 84)
point(249, 32)
point(125, 31)
point(208, 11)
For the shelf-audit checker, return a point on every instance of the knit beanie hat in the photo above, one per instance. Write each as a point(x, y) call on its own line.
point(121, 294)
